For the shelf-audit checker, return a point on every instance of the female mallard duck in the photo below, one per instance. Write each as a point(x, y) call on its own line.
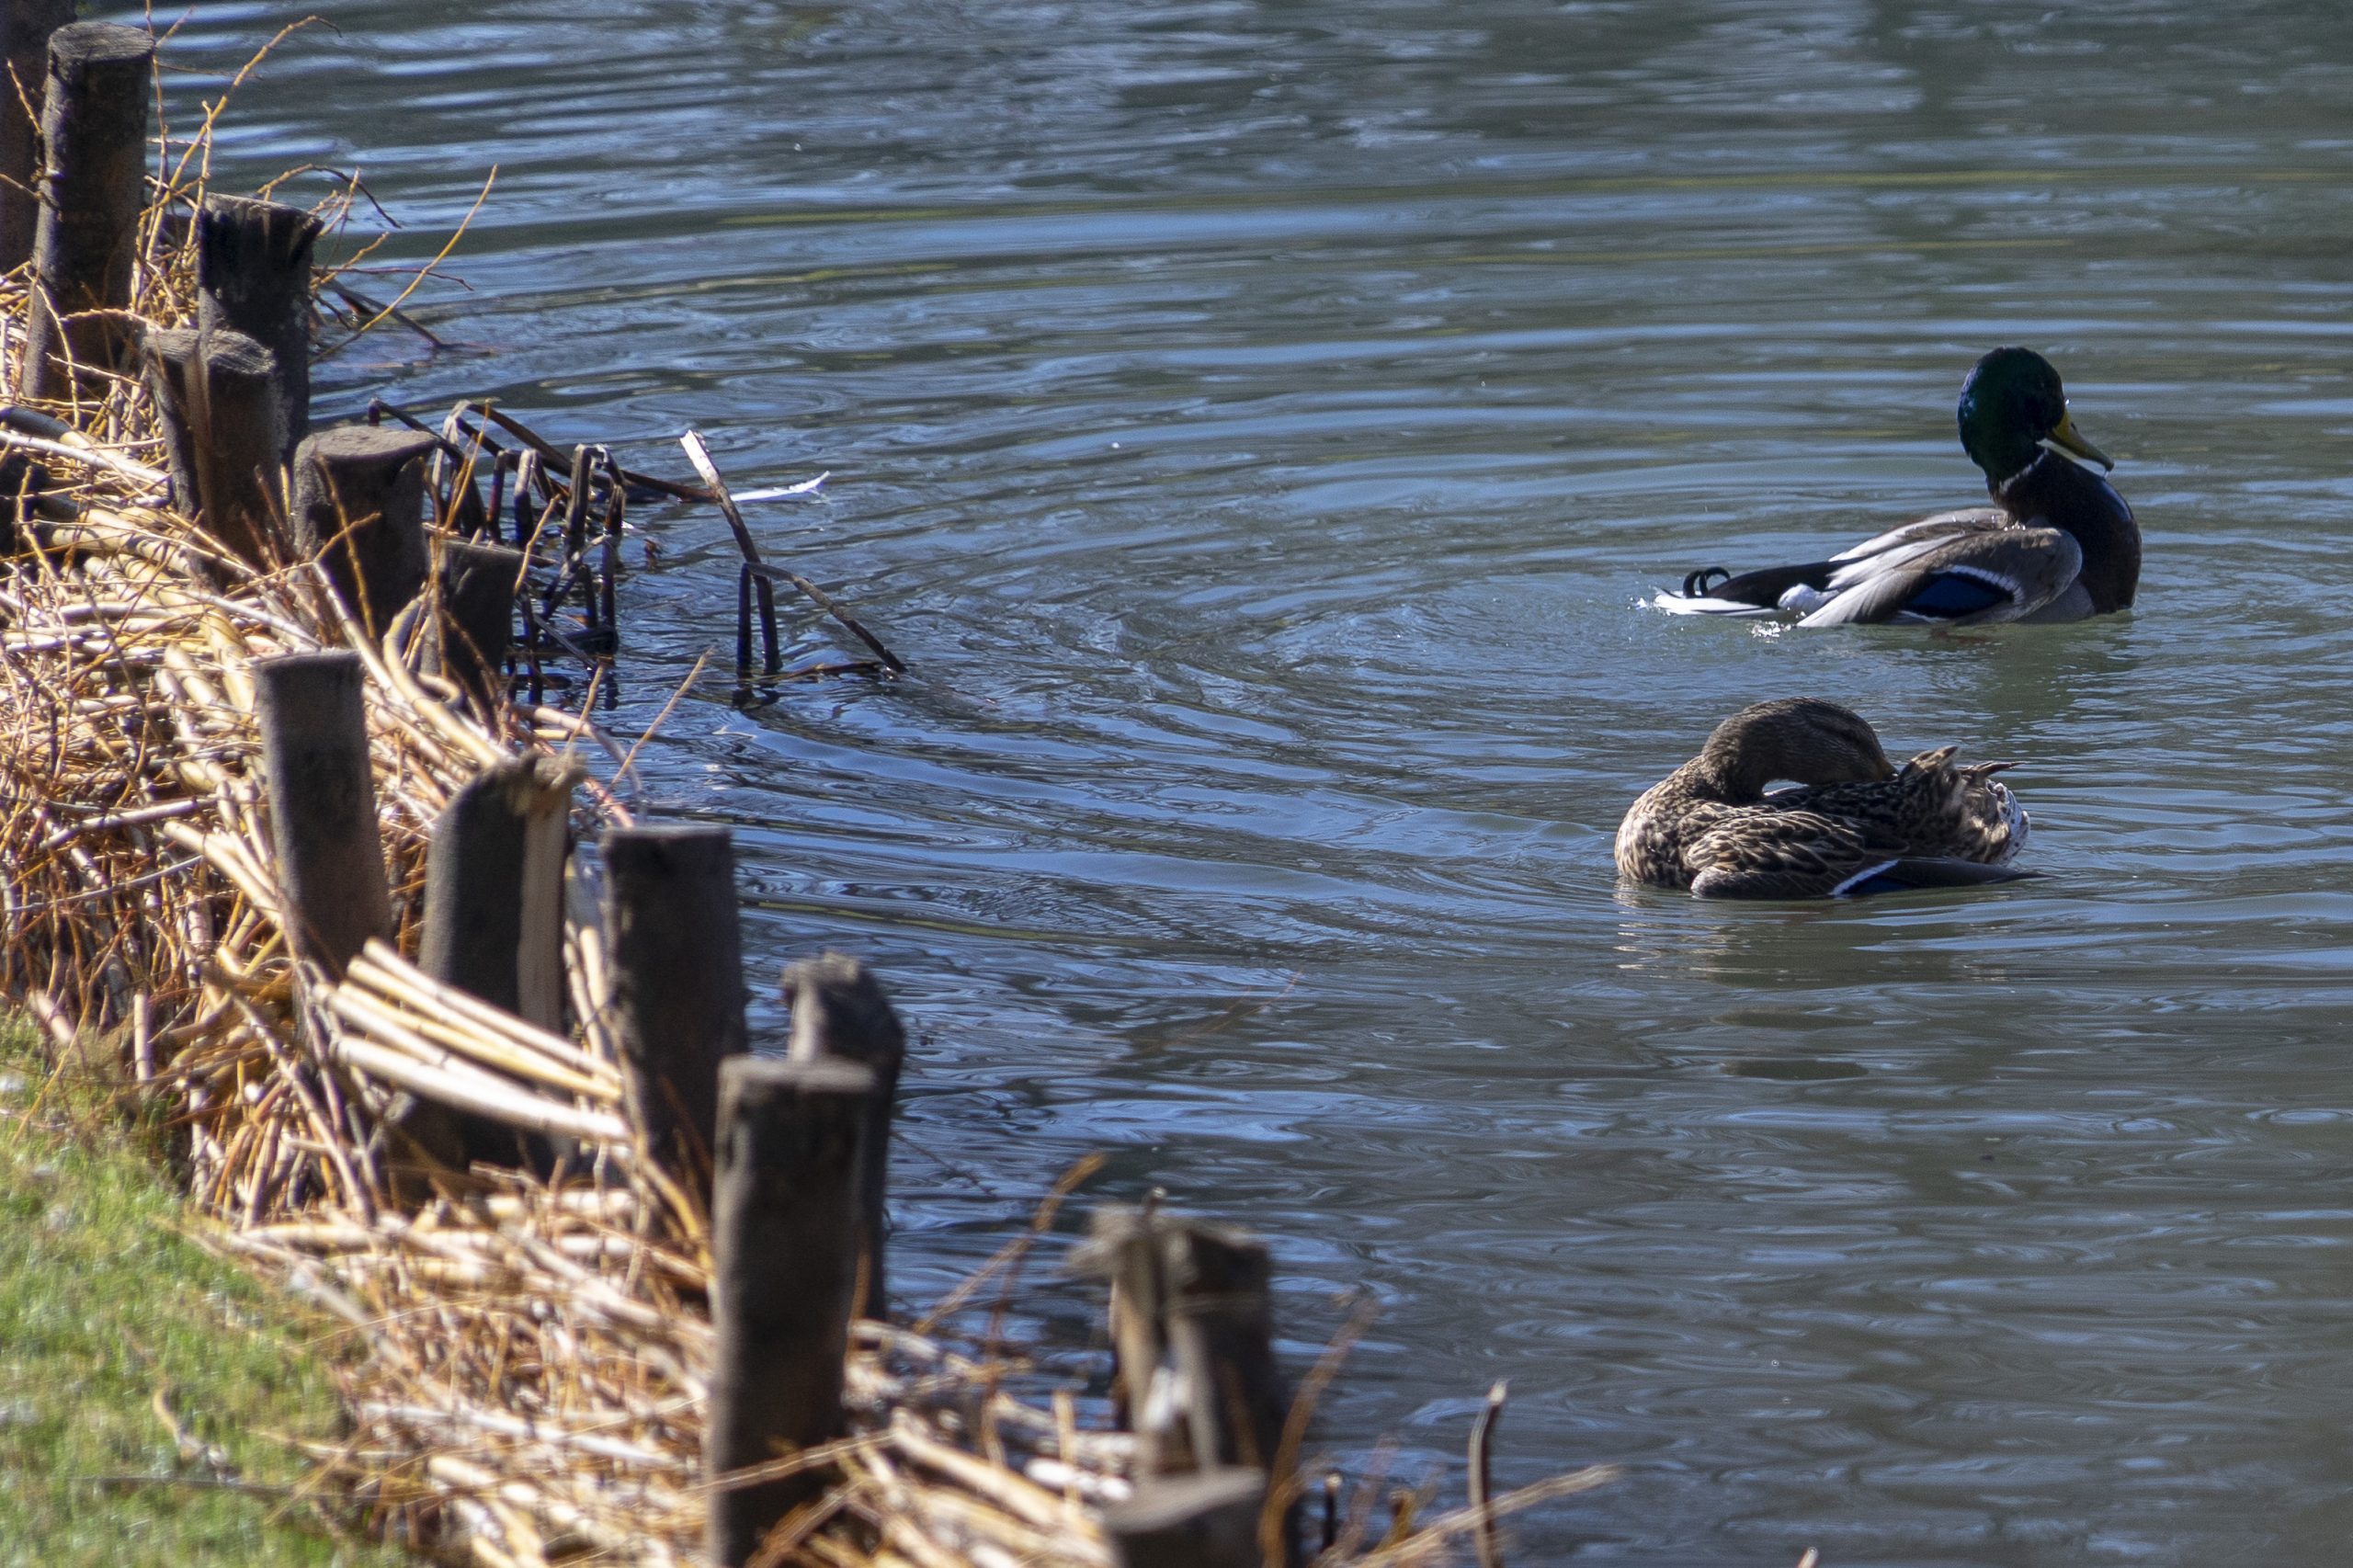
point(2059, 544)
point(1858, 824)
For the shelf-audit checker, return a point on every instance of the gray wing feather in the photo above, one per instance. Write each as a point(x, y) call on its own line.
point(2032, 566)
point(1939, 525)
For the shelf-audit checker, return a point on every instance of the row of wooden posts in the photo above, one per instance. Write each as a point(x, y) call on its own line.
point(789, 1152)
point(233, 392)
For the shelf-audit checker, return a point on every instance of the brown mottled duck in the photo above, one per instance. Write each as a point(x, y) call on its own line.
point(1857, 824)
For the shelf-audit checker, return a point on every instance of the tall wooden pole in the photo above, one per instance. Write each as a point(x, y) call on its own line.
point(1221, 1335)
point(493, 927)
point(473, 622)
point(224, 435)
point(784, 1256)
point(494, 889)
point(839, 1010)
point(94, 128)
point(678, 983)
point(323, 805)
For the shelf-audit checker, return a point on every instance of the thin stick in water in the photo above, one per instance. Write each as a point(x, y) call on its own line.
point(1483, 1443)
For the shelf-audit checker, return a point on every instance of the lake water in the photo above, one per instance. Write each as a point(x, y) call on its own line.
point(1256, 425)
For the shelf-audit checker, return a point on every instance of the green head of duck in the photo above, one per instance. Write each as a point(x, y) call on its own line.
point(2012, 406)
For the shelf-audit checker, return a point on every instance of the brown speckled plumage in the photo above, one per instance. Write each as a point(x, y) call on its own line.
point(1855, 819)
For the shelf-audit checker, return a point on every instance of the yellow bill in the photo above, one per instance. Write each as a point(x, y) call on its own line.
point(2067, 438)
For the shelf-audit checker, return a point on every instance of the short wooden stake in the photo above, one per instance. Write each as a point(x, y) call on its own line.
point(253, 276)
point(494, 889)
point(678, 983)
point(1192, 1311)
point(1205, 1520)
point(473, 624)
point(359, 509)
point(176, 378)
point(224, 434)
point(94, 128)
point(323, 805)
point(839, 1010)
point(493, 927)
point(1220, 1338)
point(1124, 1246)
point(784, 1256)
point(25, 27)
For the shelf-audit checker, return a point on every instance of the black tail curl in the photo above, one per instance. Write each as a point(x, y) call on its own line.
point(1762, 588)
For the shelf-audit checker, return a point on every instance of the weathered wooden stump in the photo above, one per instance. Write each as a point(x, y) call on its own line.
point(253, 276)
point(93, 130)
point(1222, 1340)
point(839, 1010)
point(358, 509)
point(494, 889)
point(473, 620)
point(678, 983)
point(1205, 1520)
point(25, 27)
point(1124, 1247)
point(1191, 1302)
point(493, 927)
point(224, 435)
point(323, 805)
point(784, 1254)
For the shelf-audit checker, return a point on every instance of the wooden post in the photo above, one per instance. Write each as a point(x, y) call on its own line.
point(1190, 1304)
point(494, 889)
point(358, 507)
point(175, 379)
point(224, 434)
point(784, 1255)
point(94, 130)
point(253, 276)
point(1220, 1336)
point(24, 36)
point(839, 1010)
point(473, 624)
point(1205, 1520)
point(493, 927)
point(1124, 1246)
point(323, 805)
point(678, 983)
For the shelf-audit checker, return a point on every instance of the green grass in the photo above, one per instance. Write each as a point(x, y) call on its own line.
point(106, 1309)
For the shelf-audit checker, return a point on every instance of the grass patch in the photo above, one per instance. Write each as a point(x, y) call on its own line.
point(109, 1317)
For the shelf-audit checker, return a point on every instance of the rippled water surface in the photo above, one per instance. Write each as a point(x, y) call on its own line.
point(1256, 424)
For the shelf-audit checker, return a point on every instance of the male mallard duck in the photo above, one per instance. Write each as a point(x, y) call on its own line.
point(2059, 544)
point(1858, 823)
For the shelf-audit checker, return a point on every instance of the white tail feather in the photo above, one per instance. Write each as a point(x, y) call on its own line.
point(1866, 874)
point(1676, 604)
